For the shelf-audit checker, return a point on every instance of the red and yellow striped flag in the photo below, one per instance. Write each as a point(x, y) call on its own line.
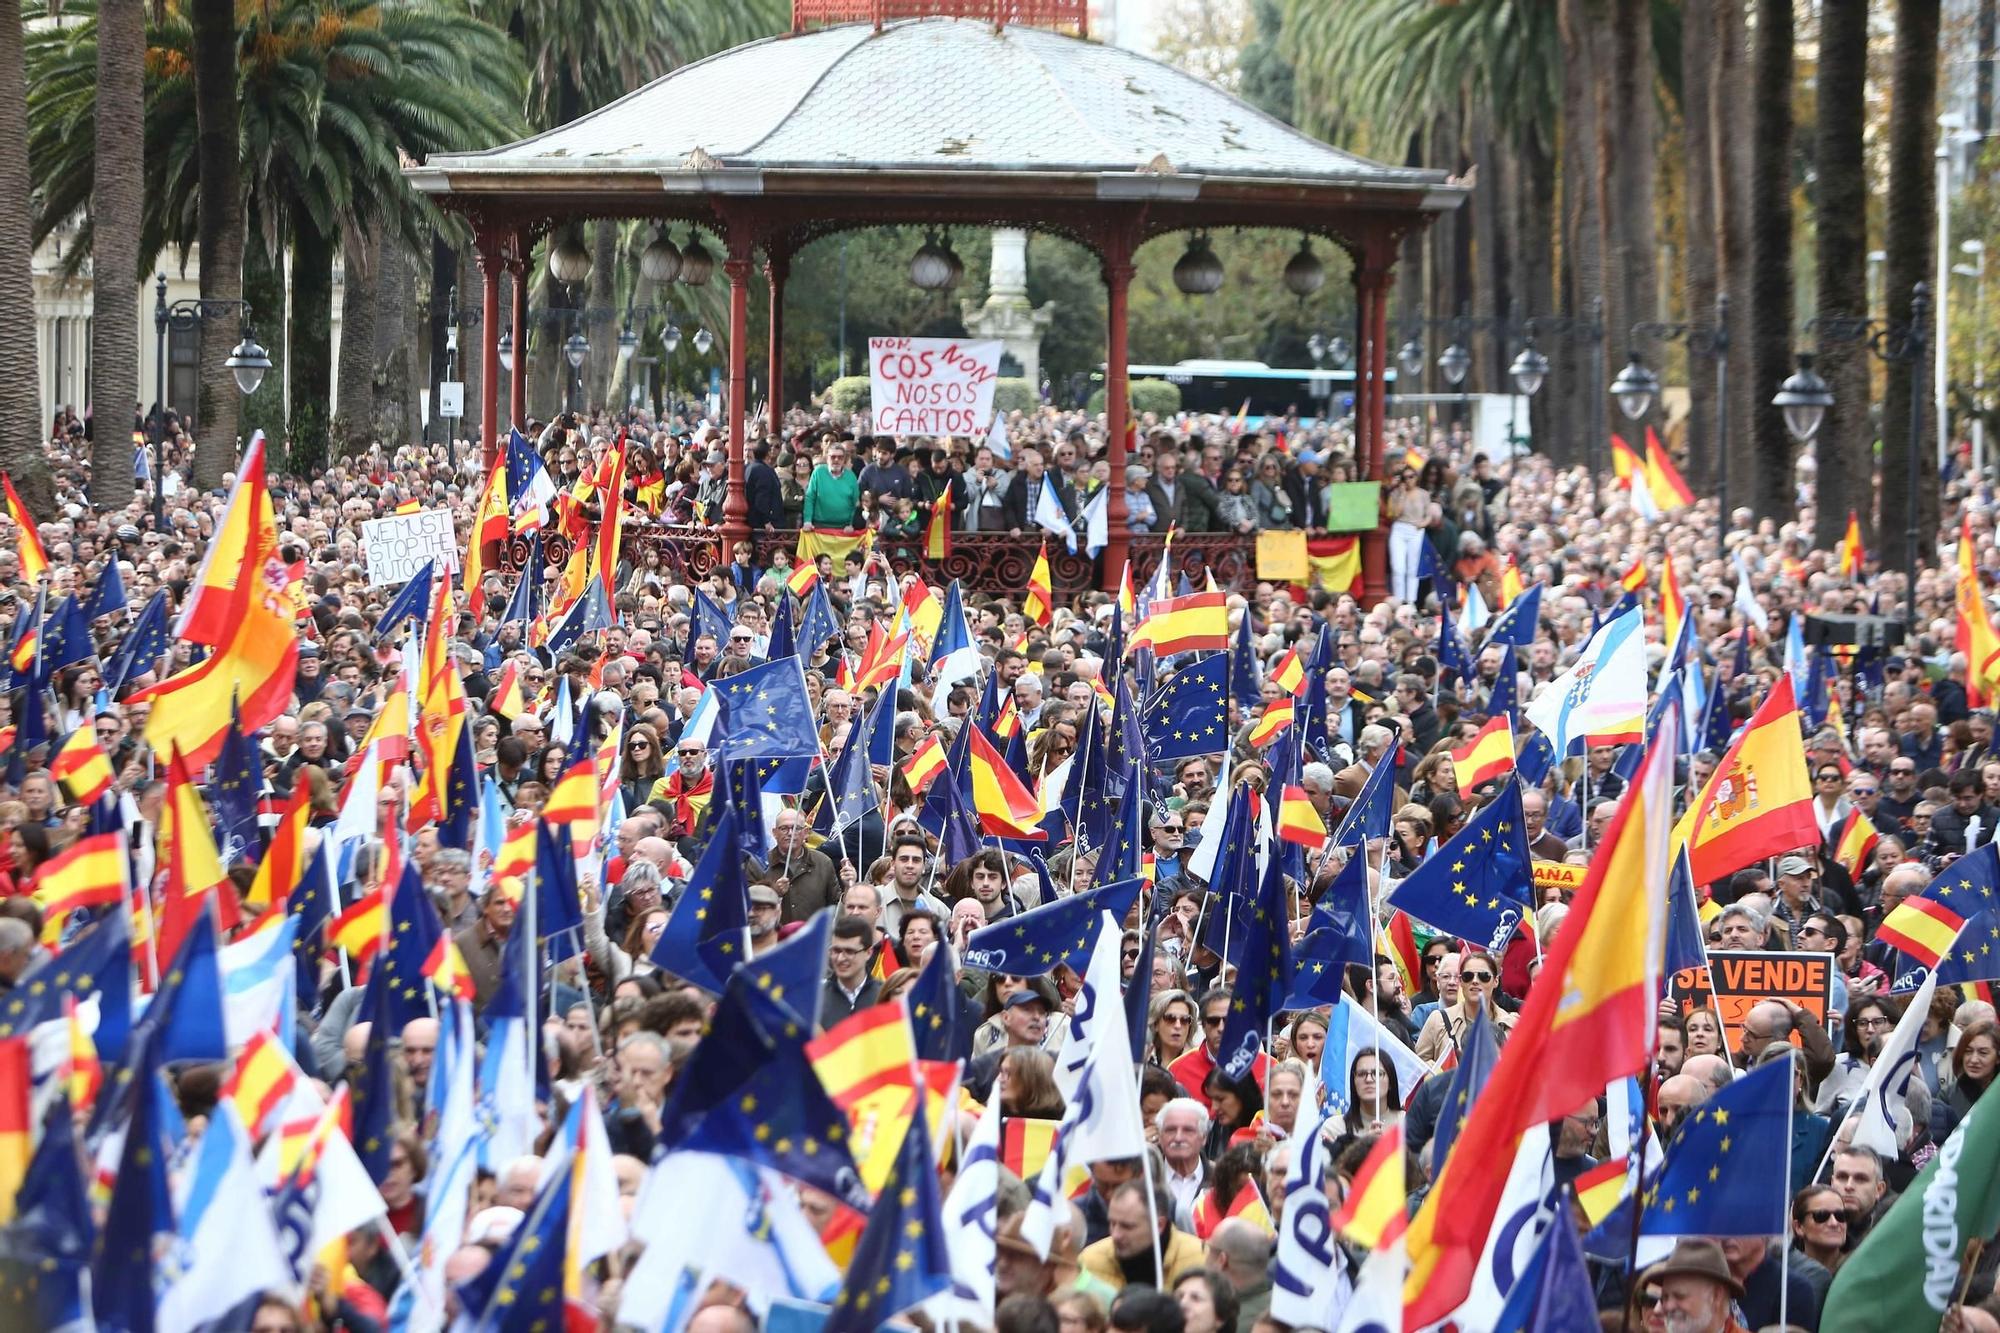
point(1856, 843)
point(86, 1071)
point(17, 1085)
point(1277, 716)
point(360, 929)
point(1290, 673)
point(1377, 1207)
point(284, 862)
point(1299, 820)
point(447, 971)
point(1852, 555)
point(82, 766)
point(90, 872)
point(937, 532)
point(1040, 601)
point(922, 766)
point(263, 1078)
point(34, 556)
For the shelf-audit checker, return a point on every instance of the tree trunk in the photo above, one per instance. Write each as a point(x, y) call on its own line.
point(1583, 226)
point(354, 426)
point(1730, 112)
point(264, 289)
point(469, 332)
point(22, 430)
point(602, 328)
point(1910, 230)
point(395, 410)
point(213, 24)
point(116, 199)
point(1492, 248)
point(1630, 139)
point(1699, 272)
point(1536, 225)
point(1771, 255)
point(312, 350)
point(1840, 210)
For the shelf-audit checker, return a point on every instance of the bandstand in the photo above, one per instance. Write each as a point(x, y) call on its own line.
point(938, 113)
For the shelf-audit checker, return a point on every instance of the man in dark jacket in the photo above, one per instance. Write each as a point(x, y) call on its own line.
point(1018, 505)
point(1182, 499)
point(848, 986)
point(1307, 488)
point(761, 489)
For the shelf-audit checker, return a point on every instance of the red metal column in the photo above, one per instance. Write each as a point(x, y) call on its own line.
point(1374, 269)
point(776, 268)
point(488, 248)
point(517, 379)
point(1118, 268)
point(736, 508)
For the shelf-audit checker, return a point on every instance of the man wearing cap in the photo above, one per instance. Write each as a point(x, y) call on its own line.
point(1798, 891)
point(1307, 490)
point(1698, 1293)
point(1024, 1021)
point(764, 904)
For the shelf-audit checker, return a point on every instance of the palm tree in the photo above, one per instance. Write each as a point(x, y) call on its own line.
point(1909, 226)
point(115, 201)
point(1771, 253)
point(1840, 211)
point(1700, 275)
point(332, 94)
point(21, 425)
point(212, 36)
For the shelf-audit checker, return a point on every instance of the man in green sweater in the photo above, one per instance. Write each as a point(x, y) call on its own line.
point(833, 494)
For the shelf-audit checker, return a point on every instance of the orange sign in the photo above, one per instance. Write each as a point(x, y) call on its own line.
point(1745, 977)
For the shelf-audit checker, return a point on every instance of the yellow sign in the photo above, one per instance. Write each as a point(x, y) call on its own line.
point(1563, 875)
point(1281, 556)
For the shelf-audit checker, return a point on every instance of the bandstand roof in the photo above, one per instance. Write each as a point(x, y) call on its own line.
point(1000, 121)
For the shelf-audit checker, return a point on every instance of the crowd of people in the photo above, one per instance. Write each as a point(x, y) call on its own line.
point(1182, 1239)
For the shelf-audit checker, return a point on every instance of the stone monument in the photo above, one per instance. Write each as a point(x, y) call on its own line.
point(1007, 315)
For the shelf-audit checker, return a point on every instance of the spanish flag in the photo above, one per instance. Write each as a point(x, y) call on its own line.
point(1924, 927)
point(34, 557)
point(1599, 1189)
point(1625, 464)
point(1377, 1206)
point(1663, 479)
point(1248, 1205)
point(1128, 600)
point(1974, 635)
point(1758, 802)
point(1290, 673)
point(836, 542)
point(1299, 821)
point(1398, 942)
point(361, 928)
point(611, 527)
point(1198, 622)
point(937, 532)
point(1588, 1020)
point(489, 529)
point(868, 1066)
point(82, 767)
point(1277, 716)
point(194, 867)
point(17, 1086)
point(244, 610)
point(263, 1078)
point(1856, 843)
point(1040, 601)
point(922, 610)
point(1025, 1144)
point(90, 872)
point(447, 970)
point(1007, 809)
point(1635, 577)
point(284, 863)
point(1852, 555)
point(86, 1071)
point(803, 576)
point(1488, 755)
point(516, 858)
point(1511, 584)
point(922, 766)
point(1673, 604)
point(882, 659)
point(507, 698)
point(573, 800)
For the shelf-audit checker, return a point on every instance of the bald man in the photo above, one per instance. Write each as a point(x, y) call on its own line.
point(1242, 1252)
point(420, 1040)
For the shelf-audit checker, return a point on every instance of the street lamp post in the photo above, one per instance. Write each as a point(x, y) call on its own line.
point(574, 351)
point(247, 362)
point(670, 339)
point(1900, 343)
point(1711, 340)
point(1977, 272)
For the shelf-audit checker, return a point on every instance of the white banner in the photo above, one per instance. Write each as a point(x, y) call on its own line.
point(399, 545)
point(932, 386)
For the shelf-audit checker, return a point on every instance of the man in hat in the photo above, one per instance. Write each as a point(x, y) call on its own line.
point(1698, 1293)
point(764, 904)
point(1024, 1021)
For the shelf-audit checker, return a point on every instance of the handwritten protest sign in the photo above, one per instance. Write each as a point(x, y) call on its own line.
point(1745, 977)
point(932, 386)
point(399, 545)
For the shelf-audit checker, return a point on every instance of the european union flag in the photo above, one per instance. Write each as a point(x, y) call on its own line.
point(1263, 974)
point(1686, 946)
point(1477, 885)
point(1123, 852)
point(948, 813)
point(1975, 954)
point(239, 783)
point(1086, 796)
point(144, 644)
point(708, 933)
point(372, 1087)
point(558, 905)
point(850, 785)
point(414, 930)
point(882, 727)
point(66, 638)
point(526, 603)
point(1535, 759)
point(1451, 653)
point(411, 602)
point(1061, 930)
point(750, 1092)
point(461, 795)
point(817, 622)
point(1245, 680)
point(1339, 936)
point(184, 1021)
point(784, 633)
point(1478, 1052)
point(1313, 712)
point(99, 959)
point(589, 615)
point(765, 713)
point(705, 617)
point(1125, 740)
point(107, 595)
point(792, 973)
point(934, 1007)
point(902, 1258)
point(1517, 625)
point(522, 465)
point(1716, 1178)
point(1368, 814)
point(49, 1243)
point(141, 1216)
point(738, 787)
point(522, 1288)
point(1139, 990)
point(310, 903)
point(1501, 700)
point(1190, 714)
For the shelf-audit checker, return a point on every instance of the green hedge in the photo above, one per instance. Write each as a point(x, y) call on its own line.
point(850, 394)
point(1155, 396)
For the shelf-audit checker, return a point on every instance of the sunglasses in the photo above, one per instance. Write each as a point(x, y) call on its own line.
point(1824, 1215)
point(1214, 1022)
point(1475, 976)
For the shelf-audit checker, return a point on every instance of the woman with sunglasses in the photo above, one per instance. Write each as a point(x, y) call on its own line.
point(1478, 976)
point(1171, 1025)
point(642, 765)
point(1819, 1236)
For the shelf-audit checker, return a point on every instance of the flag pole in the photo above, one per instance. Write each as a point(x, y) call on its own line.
point(1153, 1210)
point(1785, 1239)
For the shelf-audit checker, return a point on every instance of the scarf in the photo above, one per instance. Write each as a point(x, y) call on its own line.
point(688, 801)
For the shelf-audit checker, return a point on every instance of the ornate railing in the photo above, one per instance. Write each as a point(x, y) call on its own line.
point(980, 561)
point(1037, 13)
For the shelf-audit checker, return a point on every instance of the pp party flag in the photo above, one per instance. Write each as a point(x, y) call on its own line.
point(34, 556)
point(1587, 1021)
point(1758, 802)
point(1889, 1076)
point(82, 767)
point(1855, 842)
point(1909, 1269)
point(1298, 819)
point(1376, 1211)
point(1716, 1178)
point(868, 1064)
point(1602, 695)
point(902, 1258)
point(1059, 931)
point(1038, 603)
point(1554, 1292)
point(1197, 622)
point(1520, 622)
point(1489, 754)
point(1309, 1283)
point(245, 613)
point(1190, 714)
point(1478, 885)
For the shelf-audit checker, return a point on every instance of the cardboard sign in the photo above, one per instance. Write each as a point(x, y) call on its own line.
point(1353, 506)
point(932, 386)
point(1561, 874)
point(1745, 977)
point(399, 545)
